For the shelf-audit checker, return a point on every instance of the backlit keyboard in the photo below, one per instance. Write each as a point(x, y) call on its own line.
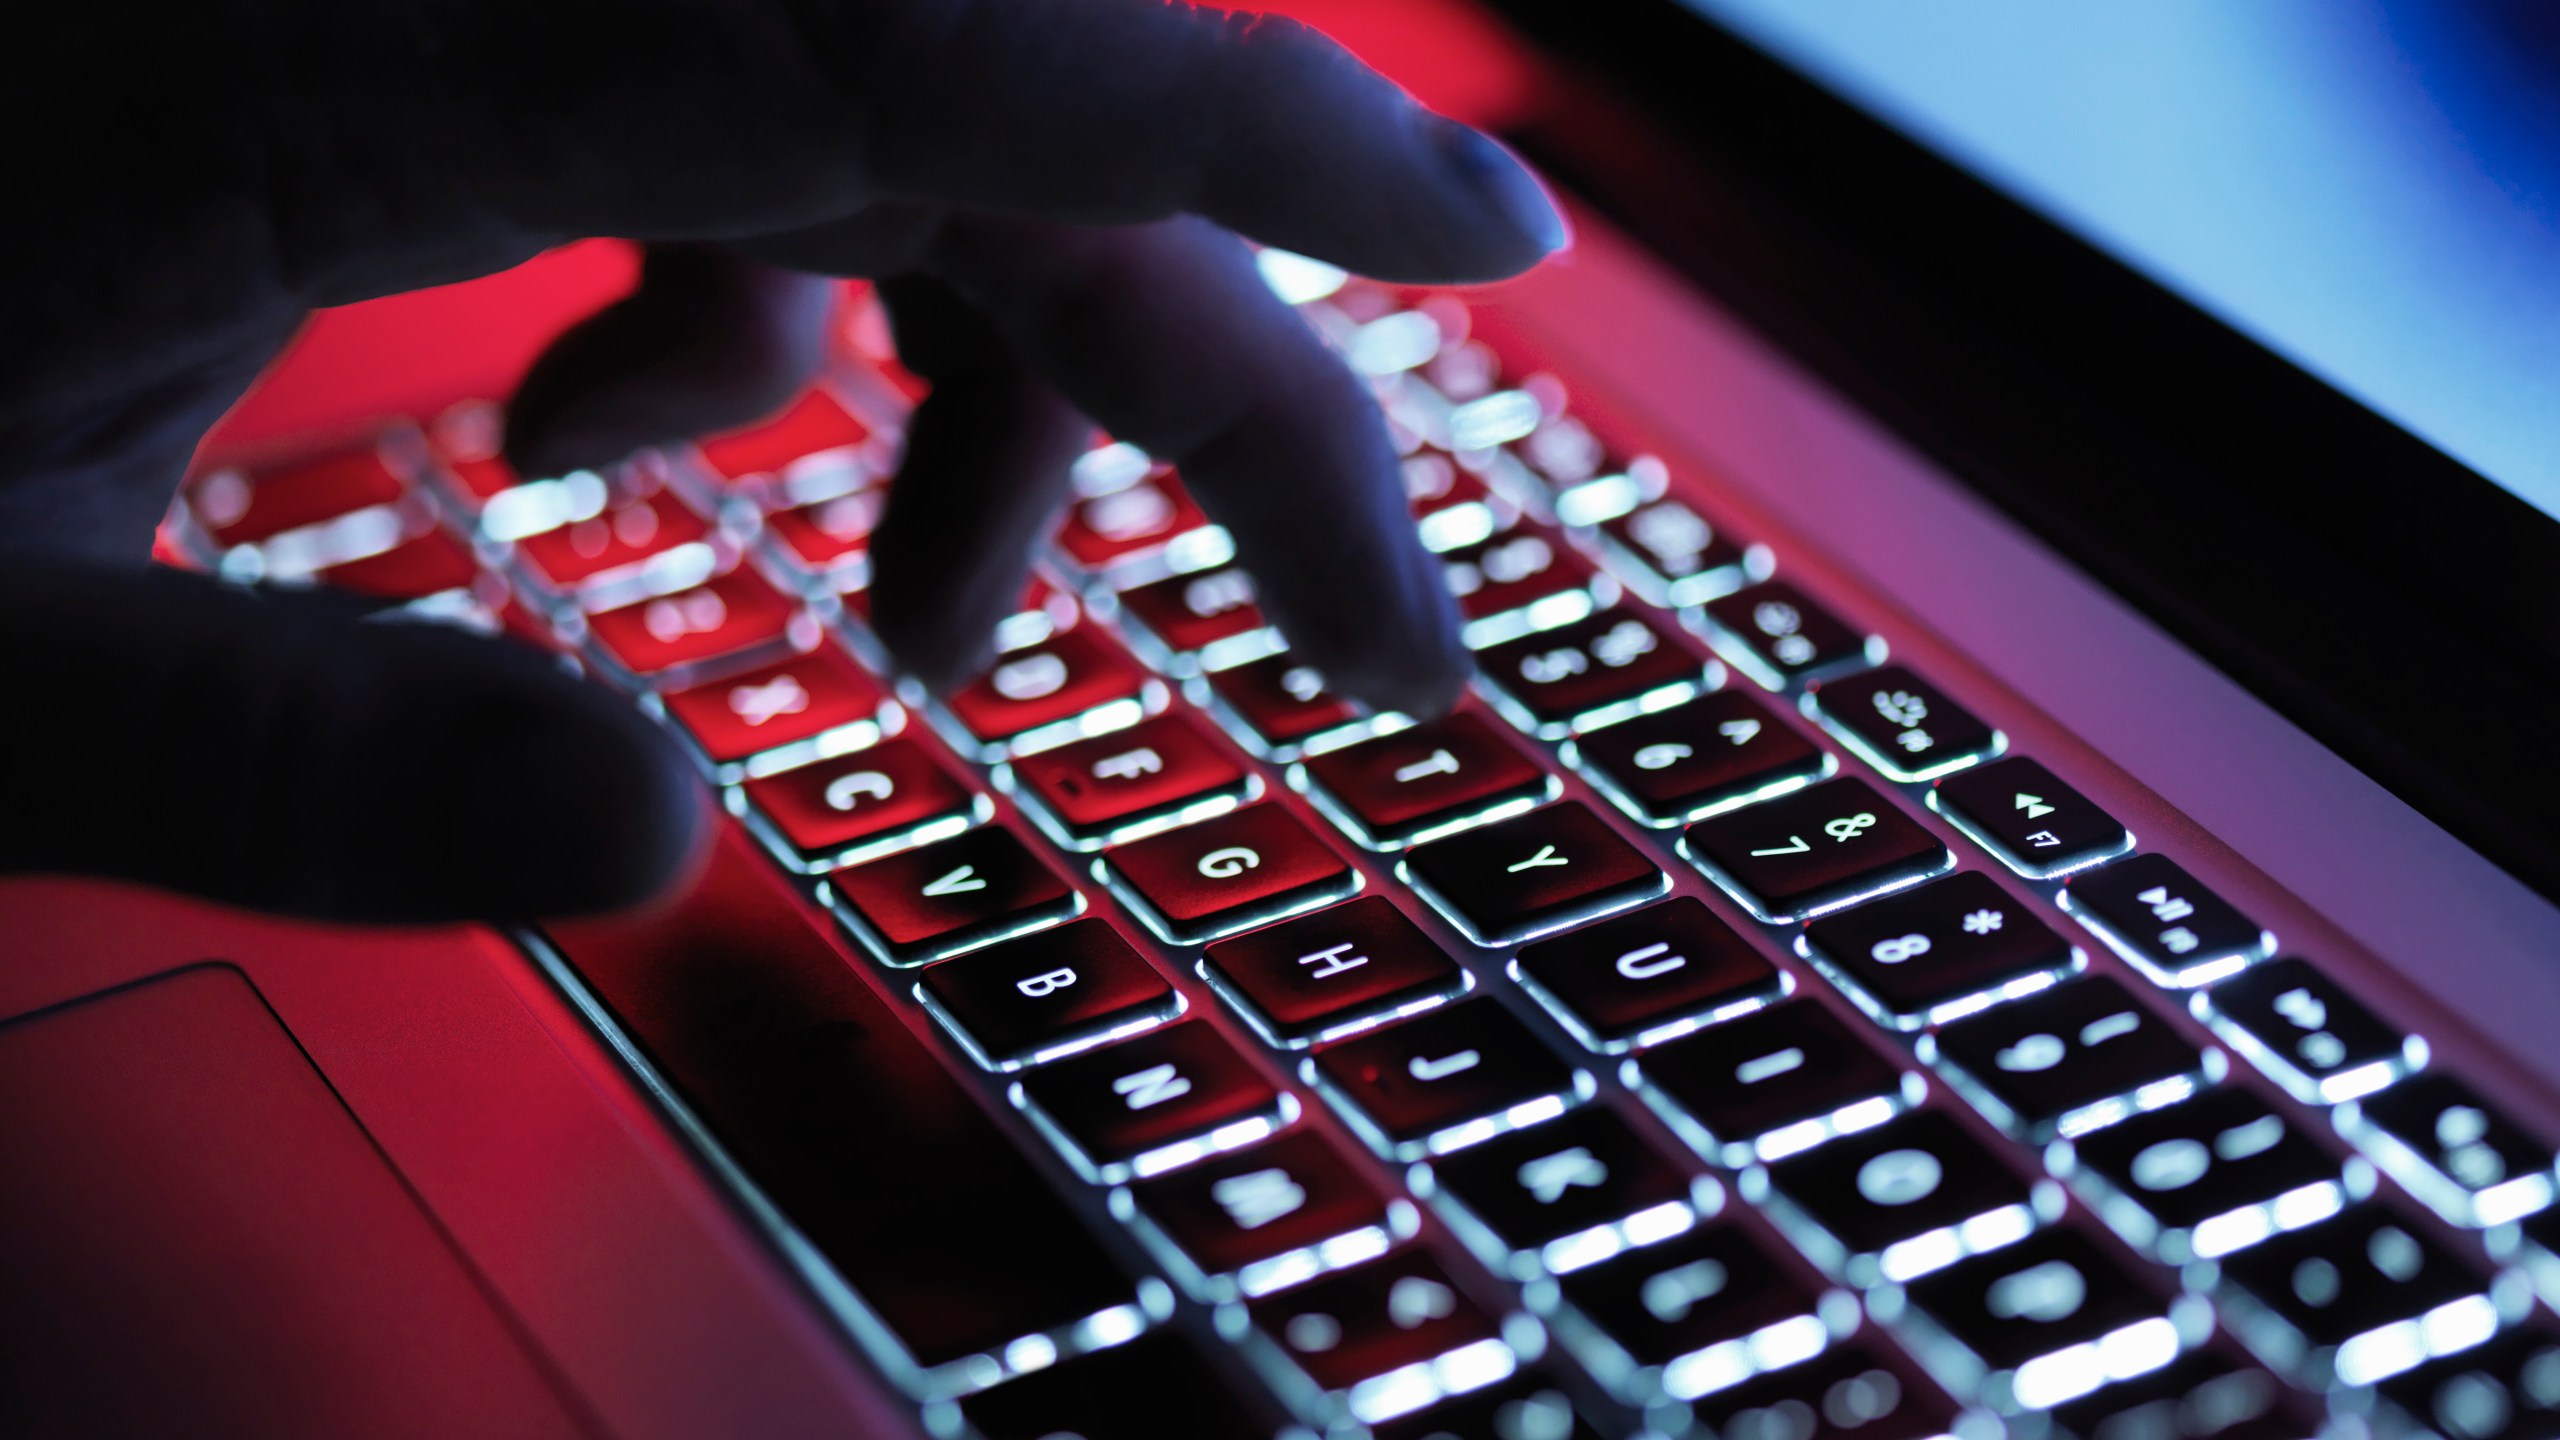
point(1710, 1028)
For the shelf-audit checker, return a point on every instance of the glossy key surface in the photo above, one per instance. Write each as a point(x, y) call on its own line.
point(1814, 850)
point(1447, 1077)
point(784, 703)
point(2030, 820)
point(2202, 1176)
point(1171, 1089)
point(951, 895)
point(1712, 753)
point(738, 612)
point(2165, 921)
point(1850, 1393)
point(2348, 1276)
point(626, 534)
point(1553, 1197)
point(1555, 681)
point(1531, 1408)
point(1331, 970)
point(2014, 1305)
point(1774, 633)
point(1513, 571)
point(1363, 1323)
point(1531, 873)
point(871, 799)
point(238, 507)
point(1393, 788)
point(1046, 993)
point(2453, 1149)
point(1229, 872)
point(1646, 972)
point(1280, 701)
point(815, 429)
point(1095, 790)
point(1153, 1388)
point(1896, 1200)
point(2505, 1389)
point(1069, 675)
point(1938, 949)
point(1188, 613)
point(2071, 1058)
point(1681, 1312)
point(2201, 1395)
point(1788, 1074)
point(2307, 1032)
point(1232, 1216)
point(1900, 723)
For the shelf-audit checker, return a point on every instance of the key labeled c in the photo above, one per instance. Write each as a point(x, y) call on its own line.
point(846, 791)
point(1227, 864)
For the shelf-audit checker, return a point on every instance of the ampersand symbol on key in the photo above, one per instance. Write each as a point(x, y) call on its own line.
point(1848, 826)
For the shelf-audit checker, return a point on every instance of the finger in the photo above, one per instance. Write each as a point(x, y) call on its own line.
point(1165, 334)
point(707, 341)
point(524, 131)
point(984, 472)
point(266, 751)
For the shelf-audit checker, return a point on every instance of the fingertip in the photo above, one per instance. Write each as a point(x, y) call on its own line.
point(1505, 190)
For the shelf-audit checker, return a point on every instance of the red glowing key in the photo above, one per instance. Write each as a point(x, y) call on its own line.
point(814, 429)
point(893, 789)
point(735, 612)
point(623, 535)
point(781, 704)
point(238, 507)
point(428, 565)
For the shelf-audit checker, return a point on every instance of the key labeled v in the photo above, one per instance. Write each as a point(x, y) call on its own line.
point(956, 882)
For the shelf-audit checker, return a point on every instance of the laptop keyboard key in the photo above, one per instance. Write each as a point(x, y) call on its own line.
point(1897, 1201)
point(2306, 1033)
point(1147, 1105)
point(2453, 1150)
point(1189, 613)
point(1332, 971)
point(1257, 1220)
point(1937, 951)
point(1280, 701)
point(1647, 975)
point(1521, 1410)
point(831, 537)
point(1844, 1394)
point(2204, 1177)
point(2016, 1305)
point(1772, 633)
point(978, 886)
point(2502, 1390)
point(1500, 577)
point(1153, 1388)
point(891, 795)
point(1221, 875)
point(2319, 1291)
point(1507, 881)
point(1558, 1196)
point(1047, 994)
point(1713, 753)
point(1615, 662)
point(815, 432)
point(2201, 1395)
point(589, 556)
point(1680, 1318)
point(1451, 1077)
point(2166, 923)
point(1817, 849)
point(1664, 550)
point(1770, 1083)
point(1149, 776)
point(1364, 1324)
point(1072, 683)
point(2069, 1059)
point(737, 612)
point(1901, 724)
point(1100, 531)
point(788, 703)
point(2032, 822)
point(1430, 778)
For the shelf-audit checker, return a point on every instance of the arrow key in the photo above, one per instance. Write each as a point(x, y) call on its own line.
point(977, 887)
point(2037, 825)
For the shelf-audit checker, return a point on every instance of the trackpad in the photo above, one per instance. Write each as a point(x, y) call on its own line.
point(197, 1238)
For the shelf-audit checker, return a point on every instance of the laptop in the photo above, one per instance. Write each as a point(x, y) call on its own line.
point(1996, 877)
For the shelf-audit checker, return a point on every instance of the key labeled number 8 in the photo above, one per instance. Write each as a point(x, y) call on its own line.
point(1899, 949)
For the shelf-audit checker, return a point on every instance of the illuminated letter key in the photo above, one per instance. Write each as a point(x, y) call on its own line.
point(1532, 873)
point(1426, 780)
point(1154, 1103)
point(1456, 1076)
point(1045, 994)
point(1649, 973)
point(1330, 971)
point(1219, 876)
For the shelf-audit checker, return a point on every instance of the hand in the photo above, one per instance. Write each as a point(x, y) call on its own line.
point(1052, 190)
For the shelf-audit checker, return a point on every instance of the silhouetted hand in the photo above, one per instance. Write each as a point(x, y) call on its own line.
point(1052, 191)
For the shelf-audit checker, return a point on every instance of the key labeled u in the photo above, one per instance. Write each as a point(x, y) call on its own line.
point(1652, 960)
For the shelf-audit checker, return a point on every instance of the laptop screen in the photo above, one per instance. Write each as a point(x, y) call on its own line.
point(2371, 188)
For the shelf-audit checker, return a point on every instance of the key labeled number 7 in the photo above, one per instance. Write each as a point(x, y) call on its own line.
point(1795, 846)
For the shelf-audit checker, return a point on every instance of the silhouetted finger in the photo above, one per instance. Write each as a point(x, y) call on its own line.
point(984, 473)
point(273, 752)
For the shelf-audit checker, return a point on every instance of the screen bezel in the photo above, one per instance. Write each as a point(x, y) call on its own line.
point(2398, 606)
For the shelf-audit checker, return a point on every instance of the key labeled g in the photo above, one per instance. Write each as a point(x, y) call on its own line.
point(1228, 863)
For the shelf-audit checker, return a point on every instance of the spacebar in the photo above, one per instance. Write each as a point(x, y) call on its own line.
point(842, 1116)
